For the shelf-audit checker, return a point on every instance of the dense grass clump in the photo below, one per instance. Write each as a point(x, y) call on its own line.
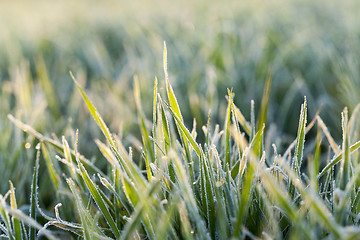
point(229, 185)
point(311, 48)
point(256, 161)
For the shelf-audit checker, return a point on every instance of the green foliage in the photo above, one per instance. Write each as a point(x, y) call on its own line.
point(164, 178)
point(203, 190)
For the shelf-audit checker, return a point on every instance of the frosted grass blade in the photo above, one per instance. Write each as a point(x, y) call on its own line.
point(54, 176)
point(15, 221)
point(299, 151)
point(227, 136)
point(34, 192)
point(265, 100)
point(186, 132)
point(345, 167)
point(145, 134)
point(95, 114)
point(169, 90)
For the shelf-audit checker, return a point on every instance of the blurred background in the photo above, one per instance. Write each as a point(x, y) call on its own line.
point(311, 47)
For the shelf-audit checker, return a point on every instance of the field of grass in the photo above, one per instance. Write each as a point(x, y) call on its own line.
point(179, 120)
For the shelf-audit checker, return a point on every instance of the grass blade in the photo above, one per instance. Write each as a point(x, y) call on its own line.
point(95, 114)
point(147, 143)
point(169, 90)
point(227, 136)
point(345, 167)
point(265, 100)
point(154, 118)
point(34, 192)
point(54, 176)
point(165, 128)
point(299, 151)
point(15, 221)
point(186, 132)
point(175, 109)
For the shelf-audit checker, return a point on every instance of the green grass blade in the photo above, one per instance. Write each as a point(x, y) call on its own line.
point(154, 117)
point(355, 203)
point(241, 119)
point(54, 176)
point(144, 131)
point(345, 167)
point(252, 121)
point(108, 154)
point(265, 100)
point(34, 192)
point(299, 151)
point(15, 221)
point(130, 169)
point(165, 127)
point(95, 114)
point(227, 136)
point(174, 106)
point(186, 132)
point(145, 134)
point(300, 140)
point(246, 194)
point(169, 90)
point(315, 163)
point(235, 121)
point(130, 191)
point(308, 128)
point(128, 166)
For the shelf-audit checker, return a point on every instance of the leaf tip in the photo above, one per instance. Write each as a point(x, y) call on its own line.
point(74, 79)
